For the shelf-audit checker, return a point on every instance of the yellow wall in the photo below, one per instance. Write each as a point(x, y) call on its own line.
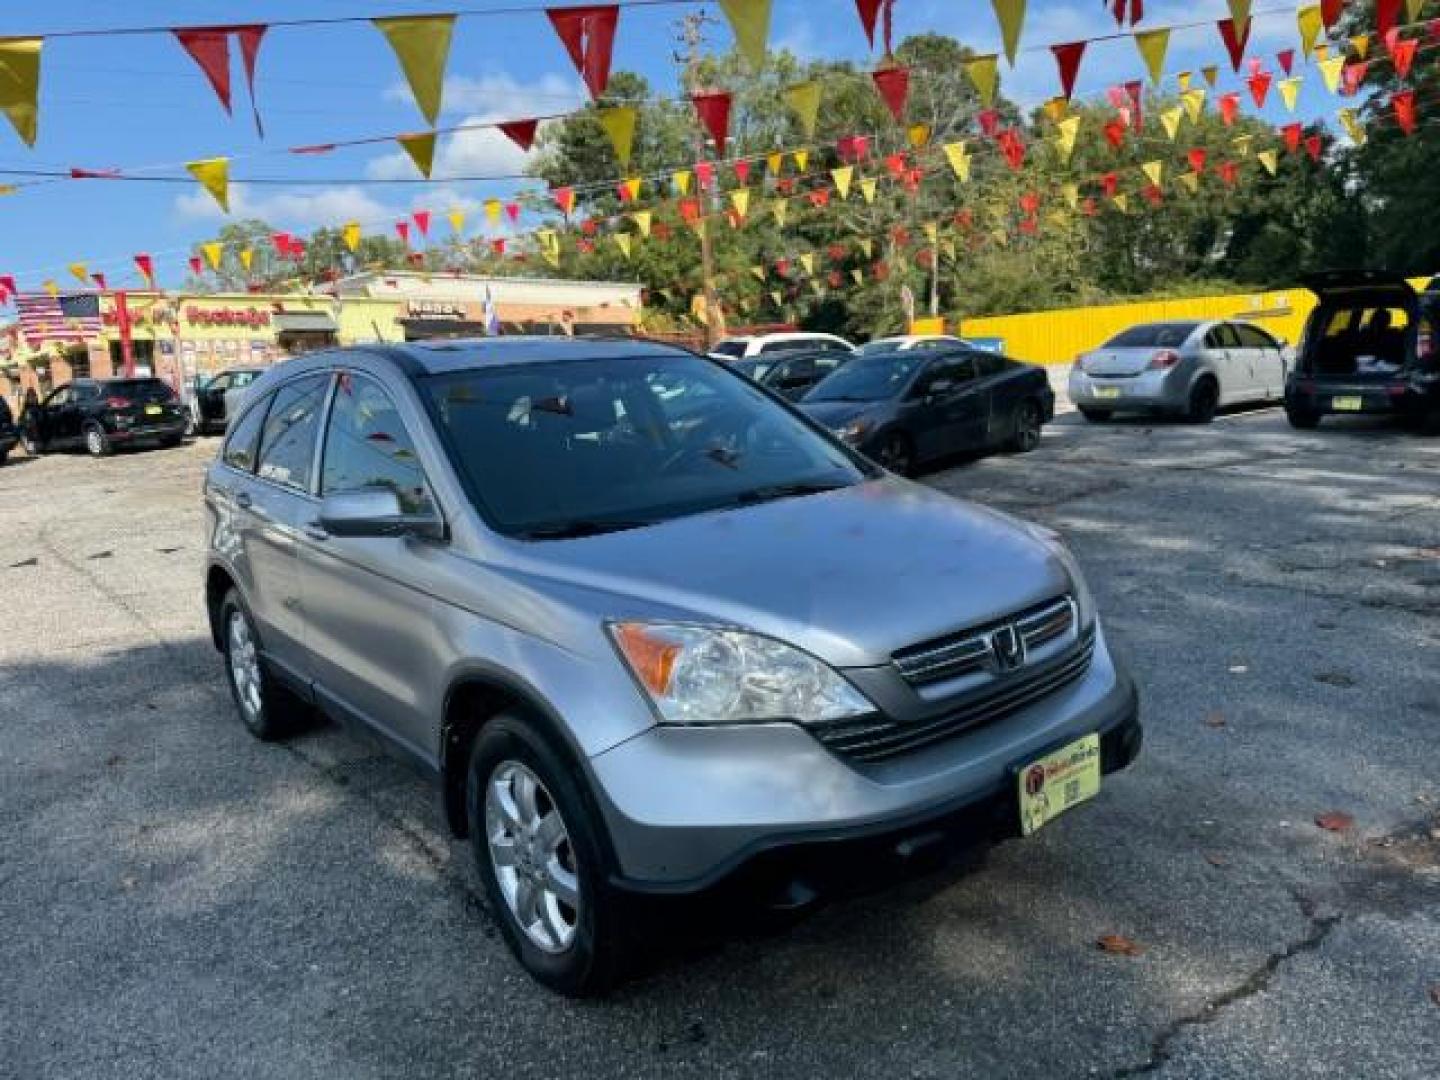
point(362, 320)
point(1057, 337)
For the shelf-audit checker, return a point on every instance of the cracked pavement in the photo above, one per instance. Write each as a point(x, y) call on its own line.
point(180, 900)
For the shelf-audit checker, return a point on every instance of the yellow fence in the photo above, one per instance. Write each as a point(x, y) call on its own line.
point(1057, 337)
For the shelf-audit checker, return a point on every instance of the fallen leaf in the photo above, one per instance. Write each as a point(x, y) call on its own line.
point(1215, 719)
point(1216, 860)
point(1334, 821)
point(1435, 993)
point(1119, 945)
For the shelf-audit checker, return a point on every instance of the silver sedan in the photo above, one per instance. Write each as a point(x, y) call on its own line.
point(1187, 369)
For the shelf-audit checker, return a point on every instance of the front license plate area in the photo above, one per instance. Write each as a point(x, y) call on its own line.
point(1347, 404)
point(153, 410)
point(1052, 784)
point(1107, 393)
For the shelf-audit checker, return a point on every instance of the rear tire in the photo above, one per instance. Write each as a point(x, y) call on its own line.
point(559, 914)
point(1302, 419)
point(1027, 427)
point(4, 456)
point(97, 443)
point(1204, 400)
point(267, 710)
point(32, 448)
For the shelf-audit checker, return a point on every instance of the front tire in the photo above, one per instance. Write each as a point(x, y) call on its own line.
point(543, 860)
point(1204, 400)
point(1026, 436)
point(267, 710)
point(896, 454)
point(97, 443)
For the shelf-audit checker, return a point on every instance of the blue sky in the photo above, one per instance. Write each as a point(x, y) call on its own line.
point(139, 101)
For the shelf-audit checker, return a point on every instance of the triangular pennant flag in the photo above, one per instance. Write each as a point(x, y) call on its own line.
point(1259, 84)
point(619, 126)
point(681, 181)
point(20, 85)
point(802, 160)
point(1290, 91)
point(1211, 74)
point(1071, 193)
point(1191, 180)
point(1402, 53)
point(779, 207)
point(774, 162)
point(1170, 121)
point(643, 220)
point(740, 200)
point(868, 188)
point(1068, 130)
point(1404, 105)
point(759, 272)
point(777, 297)
point(1011, 14)
point(1197, 158)
point(80, 272)
point(984, 73)
point(1308, 19)
point(857, 275)
point(422, 45)
point(1270, 160)
point(512, 211)
point(421, 148)
point(1330, 71)
point(714, 112)
point(588, 34)
point(893, 83)
point(1182, 80)
point(1353, 127)
point(402, 230)
point(214, 252)
point(1286, 60)
point(143, 263)
point(1122, 202)
point(1056, 109)
point(1067, 59)
point(1235, 39)
point(808, 262)
point(1154, 172)
point(250, 38)
point(1314, 147)
point(632, 187)
point(422, 221)
point(1240, 11)
point(351, 235)
point(804, 100)
point(918, 135)
point(1153, 45)
point(209, 47)
point(867, 247)
point(750, 23)
point(247, 258)
point(1194, 101)
point(742, 172)
point(1360, 43)
point(1413, 9)
point(214, 177)
point(1229, 108)
point(623, 242)
point(1242, 144)
point(868, 10)
point(843, 177)
point(564, 199)
point(520, 132)
point(959, 160)
point(493, 210)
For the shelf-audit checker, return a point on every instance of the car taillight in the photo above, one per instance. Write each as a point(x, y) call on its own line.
point(1164, 360)
point(117, 402)
point(1398, 390)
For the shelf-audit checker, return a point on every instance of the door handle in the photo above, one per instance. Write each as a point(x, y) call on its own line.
point(315, 531)
point(243, 500)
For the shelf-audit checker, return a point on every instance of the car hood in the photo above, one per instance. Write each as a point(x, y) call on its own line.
point(850, 575)
point(836, 414)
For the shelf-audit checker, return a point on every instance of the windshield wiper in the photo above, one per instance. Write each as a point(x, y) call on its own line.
point(569, 530)
point(785, 491)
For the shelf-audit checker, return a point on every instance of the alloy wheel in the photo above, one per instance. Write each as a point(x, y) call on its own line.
point(1027, 427)
point(532, 856)
point(245, 665)
point(895, 455)
point(94, 441)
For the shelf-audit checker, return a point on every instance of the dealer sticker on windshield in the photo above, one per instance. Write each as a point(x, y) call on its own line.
point(1054, 783)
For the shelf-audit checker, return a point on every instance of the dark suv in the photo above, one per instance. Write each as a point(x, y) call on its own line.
point(102, 414)
point(1370, 346)
point(9, 433)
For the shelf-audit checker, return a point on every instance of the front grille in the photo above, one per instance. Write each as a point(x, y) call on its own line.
point(970, 650)
point(872, 738)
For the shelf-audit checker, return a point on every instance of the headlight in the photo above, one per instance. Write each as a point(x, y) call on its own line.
point(702, 675)
point(854, 431)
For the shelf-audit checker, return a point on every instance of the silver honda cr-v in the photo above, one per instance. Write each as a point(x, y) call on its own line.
point(648, 627)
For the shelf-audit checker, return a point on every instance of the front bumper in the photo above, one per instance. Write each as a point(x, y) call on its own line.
point(1150, 391)
point(690, 807)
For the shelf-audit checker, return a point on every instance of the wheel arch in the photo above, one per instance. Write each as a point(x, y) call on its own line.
point(218, 582)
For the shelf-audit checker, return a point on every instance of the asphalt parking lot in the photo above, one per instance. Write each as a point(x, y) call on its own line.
point(178, 900)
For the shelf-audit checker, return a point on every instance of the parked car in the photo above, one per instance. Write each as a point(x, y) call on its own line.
point(906, 408)
point(216, 401)
point(9, 433)
point(1180, 368)
point(743, 348)
point(102, 415)
point(792, 375)
point(645, 658)
point(1372, 345)
point(902, 342)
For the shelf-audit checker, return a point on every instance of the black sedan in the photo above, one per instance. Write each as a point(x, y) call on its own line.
point(906, 408)
point(792, 375)
point(102, 414)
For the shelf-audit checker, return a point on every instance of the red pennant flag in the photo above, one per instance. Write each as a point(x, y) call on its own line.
point(742, 172)
point(622, 190)
point(705, 174)
point(1404, 105)
point(989, 122)
point(1154, 195)
point(1118, 97)
point(249, 52)
point(422, 221)
point(1235, 41)
point(1089, 208)
point(834, 279)
point(585, 247)
point(1229, 171)
point(1030, 203)
point(1286, 59)
point(965, 219)
point(565, 199)
point(714, 112)
point(819, 199)
point(498, 246)
point(1229, 108)
point(520, 132)
point(1134, 10)
point(1330, 11)
point(99, 280)
point(210, 48)
point(1403, 54)
point(590, 226)
point(1292, 133)
point(316, 149)
point(1013, 147)
point(402, 229)
point(895, 164)
point(1067, 58)
point(894, 86)
point(869, 10)
point(588, 34)
point(1109, 184)
point(1353, 75)
point(282, 242)
point(1135, 92)
point(782, 267)
point(8, 287)
point(1115, 133)
point(1313, 147)
point(1028, 226)
point(836, 252)
point(900, 235)
point(1432, 28)
point(1387, 14)
point(880, 271)
point(690, 210)
point(1197, 158)
point(1259, 84)
point(94, 174)
point(146, 265)
point(197, 267)
point(512, 211)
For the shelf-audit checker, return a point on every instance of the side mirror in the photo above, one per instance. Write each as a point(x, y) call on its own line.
point(938, 389)
point(375, 511)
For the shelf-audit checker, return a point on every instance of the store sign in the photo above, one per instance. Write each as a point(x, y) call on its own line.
point(435, 309)
point(141, 317)
point(198, 316)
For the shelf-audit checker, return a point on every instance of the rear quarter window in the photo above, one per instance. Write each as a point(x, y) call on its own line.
point(244, 438)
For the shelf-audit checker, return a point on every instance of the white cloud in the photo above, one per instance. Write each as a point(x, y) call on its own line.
point(299, 208)
point(502, 97)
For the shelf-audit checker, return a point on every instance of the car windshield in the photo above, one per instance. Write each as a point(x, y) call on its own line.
point(573, 448)
point(754, 369)
point(137, 389)
point(729, 348)
point(1162, 335)
point(878, 377)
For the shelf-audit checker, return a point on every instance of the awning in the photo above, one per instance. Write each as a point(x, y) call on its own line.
point(309, 322)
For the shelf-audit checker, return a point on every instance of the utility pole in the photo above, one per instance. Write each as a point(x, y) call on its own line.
point(691, 35)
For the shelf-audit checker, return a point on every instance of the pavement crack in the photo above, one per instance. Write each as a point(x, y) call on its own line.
point(1257, 982)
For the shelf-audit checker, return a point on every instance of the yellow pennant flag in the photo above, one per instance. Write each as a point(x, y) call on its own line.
point(492, 211)
point(1290, 91)
point(457, 220)
point(1194, 101)
point(1322, 52)
point(1059, 217)
point(774, 161)
point(619, 126)
point(1242, 144)
point(351, 235)
point(868, 247)
point(422, 45)
point(1211, 73)
point(740, 200)
point(868, 188)
point(1353, 127)
point(984, 72)
point(750, 22)
point(8, 189)
point(1412, 10)
point(1311, 22)
point(802, 159)
point(842, 177)
point(247, 258)
point(80, 272)
point(919, 135)
point(51, 288)
point(959, 159)
point(681, 180)
point(1183, 80)
point(20, 85)
point(214, 251)
point(857, 275)
point(1269, 159)
point(1001, 237)
point(778, 297)
point(1154, 172)
point(759, 272)
point(1068, 130)
point(1122, 202)
point(948, 247)
point(1191, 180)
point(1330, 72)
point(808, 262)
point(779, 208)
point(1153, 45)
point(632, 187)
point(623, 242)
point(421, 148)
point(214, 177)
point(1056, 108)
point(932, 232)
point(642, 219)
point(1011, 14)
point(804, 101)
point(1361, 44)
point(1240, 11)
point(1071, 194)
point(1170, 121)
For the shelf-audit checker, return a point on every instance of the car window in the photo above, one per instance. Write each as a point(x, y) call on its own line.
point(62, 396)
point(954, 370)
point(785, 346)
point(90, 392)
point(220, 382)
point(1252, 337)
point(244, 437)
point(729, 348)
point(366, 446)
point(877, 377)
point(831, 361)
point(1222, 337)
point(242, 378)
point(989, 363)
point(287, 443)
point(1166, 335)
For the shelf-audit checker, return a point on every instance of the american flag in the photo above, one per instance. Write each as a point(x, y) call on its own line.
point(69, 318)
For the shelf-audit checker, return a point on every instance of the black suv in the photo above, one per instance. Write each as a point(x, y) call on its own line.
point(103, 414)
point(1372, 345)
point(9, 434)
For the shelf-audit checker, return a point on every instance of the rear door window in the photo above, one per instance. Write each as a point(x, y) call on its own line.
point(287, 443)
point(1252, 337)
point(1222, 337)
point(244, 438)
